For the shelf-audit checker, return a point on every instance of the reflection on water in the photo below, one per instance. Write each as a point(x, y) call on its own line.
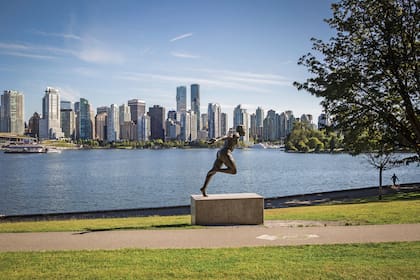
point(116, 179)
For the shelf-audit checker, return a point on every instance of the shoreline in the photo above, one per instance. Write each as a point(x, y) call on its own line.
point(340, 196)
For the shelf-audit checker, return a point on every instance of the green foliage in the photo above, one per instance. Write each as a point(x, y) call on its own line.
point(368, 75)
point(305, 138)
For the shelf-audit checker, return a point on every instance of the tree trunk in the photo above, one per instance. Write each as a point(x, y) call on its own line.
point(380, 182)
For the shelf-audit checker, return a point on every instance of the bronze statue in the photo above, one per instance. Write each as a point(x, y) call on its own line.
point(224, 156)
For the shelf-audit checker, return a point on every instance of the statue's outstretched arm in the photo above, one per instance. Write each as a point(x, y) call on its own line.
point(214, 140)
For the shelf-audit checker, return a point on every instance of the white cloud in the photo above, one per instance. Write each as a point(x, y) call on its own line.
point(248, 77)
point(91, 51)
point(185, 55)
point(60, 35)
point(180, 37)
point(98, 55)
point(29, 55)
point(212, 82)
point(13, 46)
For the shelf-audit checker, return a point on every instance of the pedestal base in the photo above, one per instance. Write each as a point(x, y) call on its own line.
point(227, 209)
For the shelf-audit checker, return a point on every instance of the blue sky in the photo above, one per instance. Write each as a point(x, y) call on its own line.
point(240, 52)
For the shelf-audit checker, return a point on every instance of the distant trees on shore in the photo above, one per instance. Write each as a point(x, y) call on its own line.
point(305, 138)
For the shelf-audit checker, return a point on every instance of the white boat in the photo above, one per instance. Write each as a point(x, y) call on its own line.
point(258, 146)
point(50, 150)
point(24, 149)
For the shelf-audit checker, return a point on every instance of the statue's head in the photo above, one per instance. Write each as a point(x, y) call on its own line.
point(240, 129)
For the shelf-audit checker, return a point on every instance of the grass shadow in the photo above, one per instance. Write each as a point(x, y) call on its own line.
point(167, 226)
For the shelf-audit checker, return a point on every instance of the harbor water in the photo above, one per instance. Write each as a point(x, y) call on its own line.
point(90, 180)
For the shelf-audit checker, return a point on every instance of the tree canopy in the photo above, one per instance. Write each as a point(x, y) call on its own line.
point(368, 74)
point(305, 138)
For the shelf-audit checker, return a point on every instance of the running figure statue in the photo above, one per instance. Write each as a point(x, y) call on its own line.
point(224, 156)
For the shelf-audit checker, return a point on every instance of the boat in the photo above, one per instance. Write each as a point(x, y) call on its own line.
point(50, 150)
point(31, 148)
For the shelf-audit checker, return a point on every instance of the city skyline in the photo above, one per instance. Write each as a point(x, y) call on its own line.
point(239, 52)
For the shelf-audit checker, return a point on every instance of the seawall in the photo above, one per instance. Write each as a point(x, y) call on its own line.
point(269, 203)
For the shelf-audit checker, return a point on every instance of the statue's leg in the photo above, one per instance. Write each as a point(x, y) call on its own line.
point(216, 167)
point(230, 164)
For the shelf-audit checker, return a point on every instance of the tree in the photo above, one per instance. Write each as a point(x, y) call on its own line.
point(304, 138)
point(368, 75)
point(381, 162)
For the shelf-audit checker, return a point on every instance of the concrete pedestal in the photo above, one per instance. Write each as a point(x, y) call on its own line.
point(227, 209)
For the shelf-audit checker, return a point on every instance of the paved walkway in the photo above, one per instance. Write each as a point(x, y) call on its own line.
point(271, 234)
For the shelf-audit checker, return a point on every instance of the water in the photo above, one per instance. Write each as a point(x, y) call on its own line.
point(88, 180)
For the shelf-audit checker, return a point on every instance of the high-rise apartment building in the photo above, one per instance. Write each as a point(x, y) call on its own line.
point(271, 126)
point(204, 122)
point(257, 124)
point(259, 114)
point(283, 119)
point(50, 124)
point(125, 114)
point(102, 109)
point(290, 121)
point(113, 124)
point(66, 105)
point(223, 123)
point(195, 102)
point(84, 120)
point(181, 99)
point(101, 126)
point(157, 122)
point(173, 115)
point(33, 125)
point(253, 126)
point(68, 122)
point(214, 116)
point(125, 122)
point(143, 128)
point(240, 117)
point(189, 126)
point(173, 129)
point(12, 112)
point(137, 109)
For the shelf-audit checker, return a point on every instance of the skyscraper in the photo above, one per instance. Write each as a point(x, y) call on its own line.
point(68, 122)
point(181, 99)
point(127, 129)
point(189, 126)
point(143, 128)
point(257, 124)
point(240, 117)
point(290, 122)
point(214, 117)
point(204, 122)
point(83, 118)
point(223, 123)
point(113, 124)
point(195, 102)
point(137, 109)
point(101, 126)
point(12, 112)
point(33, 125)
point(272, 126)
point(50, 124)
point(157, 122)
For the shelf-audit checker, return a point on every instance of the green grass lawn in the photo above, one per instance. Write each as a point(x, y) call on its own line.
point(357, 261)
point(394, 209)
point(352, 261)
